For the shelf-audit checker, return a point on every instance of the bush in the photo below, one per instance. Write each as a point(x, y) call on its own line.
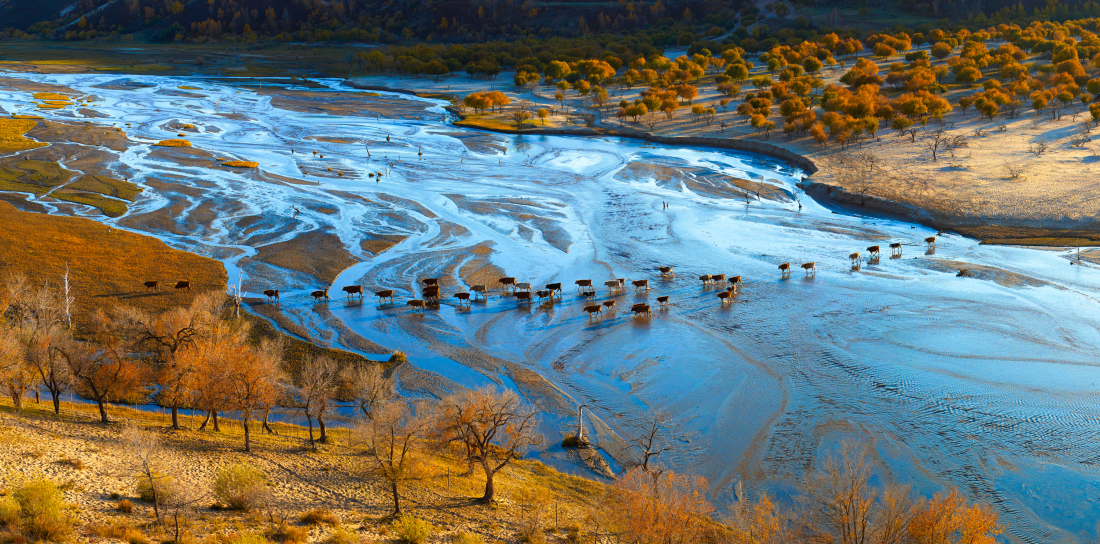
point(531, 536)
point(125, 506)
point(247, 538)
point(134, 536)
point(9, 511)
point(241, 487)
point(343, 536)
point(43, 511)
point(412, 530)
point(164, 484)
point(570, 441)
point(318, 516)
point(468, 538)
point(398, 357)
point(289, 534)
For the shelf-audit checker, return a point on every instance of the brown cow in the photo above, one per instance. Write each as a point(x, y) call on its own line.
point(583, 283)
point(641, 284)
point(416, 303)
point(735, 283)
point(873, 252)
point(593, 310)
point(272, 294)
point(641, 309)
point(463, 297)
point(665, 270)
point(545, 294)
point(705, 278)
point(663, 301)
point(809, 268)
point(718, 278)
point(430, 281)
point(856, 259)
point(152, 286)
point(318, 295)
point(609, 304)
point(588, 294)
point(384, 294)
point(895, 249)
point(726, 296)
point(522, 296)
point(931, 241)
point(479, 288)
point(353, 290)
point(431, 293)
point(183, 285)
point(554, 287)
point(785, 270)
point(508, 281)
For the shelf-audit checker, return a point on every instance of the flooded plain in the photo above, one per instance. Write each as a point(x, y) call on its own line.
point(987, 381)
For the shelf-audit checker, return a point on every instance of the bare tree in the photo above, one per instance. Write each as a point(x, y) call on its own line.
point(1014, 169)
point(317, 385)
point(145, 453)
point(16, 376)
point(650, 443)
point(371, 387)
point(393, 443)
point(494, 427)
point(935, 141)
point(36, 316)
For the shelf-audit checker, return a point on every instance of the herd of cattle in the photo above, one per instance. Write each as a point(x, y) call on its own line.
point(522, 291)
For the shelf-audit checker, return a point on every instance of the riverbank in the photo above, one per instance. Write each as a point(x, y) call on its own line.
point(1017, 181)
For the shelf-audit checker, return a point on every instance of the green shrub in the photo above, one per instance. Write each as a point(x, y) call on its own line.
point(412, 530)
point(343, 536)
point(318, 516)
point(289, 534)
point(9, 511)
point(241, 487)
point(247, 538)
point(43, 511)
point(468, 538)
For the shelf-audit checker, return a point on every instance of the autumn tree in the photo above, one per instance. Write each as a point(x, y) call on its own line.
point(252, 376)
point(493, 427)
point(393, 443)
point(37, 318)
point(657, 508)
point(103, 370)
point(371, 388)
point(949, 519)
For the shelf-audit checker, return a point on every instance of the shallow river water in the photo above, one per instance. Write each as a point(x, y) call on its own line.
point(987, 383)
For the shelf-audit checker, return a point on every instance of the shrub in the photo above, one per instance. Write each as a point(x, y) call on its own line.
point(247, 538)
point(43, 511)
point(289, 534)
point(571, 441)
point(9, 511)
point(468, 538)
point(318, 516)
point(531, 536)
point(125, 506)
point(412, 530)
point(164, 484)
point(343, 536)
point(241, 487)
point(398, 357)
point(134, 536)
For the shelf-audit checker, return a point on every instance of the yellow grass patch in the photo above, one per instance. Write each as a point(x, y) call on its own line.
point(106, 185)
point(173, 143)
point(109, 206)
point(50, 106)
point(26, 116)
point(11, 135)
point(52, 96)
point(190, 88)
point(241, 164)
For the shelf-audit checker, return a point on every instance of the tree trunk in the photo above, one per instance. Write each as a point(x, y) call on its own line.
point(205, 421)
point(267, 428)
point(102, 413)
point(17, 399)
point(247, 436)
point(488, 497)
point(312, 444)
point(175, 418)
point(217, 428)
point(56, 401)
point(396, 500)
point(324, 433)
